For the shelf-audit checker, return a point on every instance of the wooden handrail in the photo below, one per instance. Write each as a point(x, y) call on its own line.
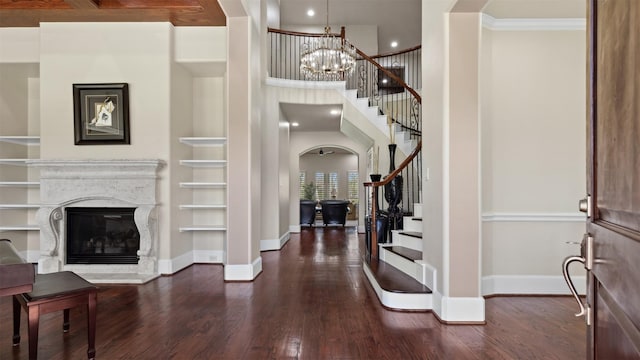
point(391, 75)
point(298, 33)
point(395, 53)
point(397, 171)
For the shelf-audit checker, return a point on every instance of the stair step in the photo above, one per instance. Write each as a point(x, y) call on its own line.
point(415, 234)
point(405, 252)
point(393, 280)
point(416, 219)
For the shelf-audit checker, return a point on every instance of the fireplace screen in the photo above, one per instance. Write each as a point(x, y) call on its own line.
point(101, 236)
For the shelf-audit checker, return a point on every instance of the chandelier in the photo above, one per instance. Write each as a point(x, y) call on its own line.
point(328, 57)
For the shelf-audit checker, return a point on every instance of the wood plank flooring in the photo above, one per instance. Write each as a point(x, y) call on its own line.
point(312, 301)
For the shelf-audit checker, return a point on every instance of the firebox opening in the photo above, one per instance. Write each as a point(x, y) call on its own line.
point(101, 236)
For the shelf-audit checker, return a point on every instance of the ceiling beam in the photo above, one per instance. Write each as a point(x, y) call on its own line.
point(83, 4)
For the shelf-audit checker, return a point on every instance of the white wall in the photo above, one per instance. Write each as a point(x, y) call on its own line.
point(533, 166)
point(164, 99)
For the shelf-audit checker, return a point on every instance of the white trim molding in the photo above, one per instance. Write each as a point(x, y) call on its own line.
point(537, 24)
point(428, 275)
point(243, 272)
point(274, 244)
point(533, 217)
point(208, 256)
point(294, 228)
point(171, 266)
point(531, 285)
point(461, 309)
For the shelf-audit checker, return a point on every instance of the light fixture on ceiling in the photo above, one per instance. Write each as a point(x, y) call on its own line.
point(328, 57)
point(310, 13)
point(323, 153)
point(334, 112)
point(394, 44)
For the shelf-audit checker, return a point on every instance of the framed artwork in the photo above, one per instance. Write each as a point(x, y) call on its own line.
point(101, 114)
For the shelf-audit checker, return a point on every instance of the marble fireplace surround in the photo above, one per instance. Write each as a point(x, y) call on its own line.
point(98, 183)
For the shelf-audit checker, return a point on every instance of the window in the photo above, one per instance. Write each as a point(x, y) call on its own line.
point(327, 185)
point(333, 185)
point(302, 180)
point(320, 186)
point(353, 184)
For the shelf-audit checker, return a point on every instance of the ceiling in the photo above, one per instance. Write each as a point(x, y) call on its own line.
point(312, 117)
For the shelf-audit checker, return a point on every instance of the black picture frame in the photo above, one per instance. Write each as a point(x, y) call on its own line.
point(101, 114)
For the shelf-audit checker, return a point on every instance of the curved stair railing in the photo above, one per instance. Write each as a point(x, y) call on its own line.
point(389, 82)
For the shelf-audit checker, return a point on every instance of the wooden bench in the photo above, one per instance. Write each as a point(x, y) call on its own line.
point(42, 294)
point(54, 292)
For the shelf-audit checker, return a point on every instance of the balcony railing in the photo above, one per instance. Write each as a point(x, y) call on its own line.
point(389, 81)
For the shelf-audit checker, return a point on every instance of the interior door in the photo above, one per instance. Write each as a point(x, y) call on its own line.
point(613, 284)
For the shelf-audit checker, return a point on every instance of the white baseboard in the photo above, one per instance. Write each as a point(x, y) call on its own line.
point(208, 256)
point(274, 244)
point(460, 309)
point(428, 275)
point(170, 266)
point(243, 272)
point(531, 285)
point(294, 228)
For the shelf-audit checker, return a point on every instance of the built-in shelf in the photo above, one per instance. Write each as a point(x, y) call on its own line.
point(203, 228)
point(204, 163)
point(203, 141)
point(202, 185)
point(19, 227)
point(23, 183)
point(18, 206)
point(21, 140)
point(191, 206)
point(18, 162)
point(19, 184)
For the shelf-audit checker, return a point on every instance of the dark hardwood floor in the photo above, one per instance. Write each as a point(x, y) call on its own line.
point(312, 301)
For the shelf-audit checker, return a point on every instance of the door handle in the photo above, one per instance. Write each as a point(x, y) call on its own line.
point(584, 205)
point(567, 278)
point(587, 261)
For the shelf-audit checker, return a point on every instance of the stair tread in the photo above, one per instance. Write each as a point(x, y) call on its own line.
point(393, 280)
point(416, 219)
point(416, 234)
point(405, 252)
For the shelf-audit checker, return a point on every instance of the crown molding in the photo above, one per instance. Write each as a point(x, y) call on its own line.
point(517, 24)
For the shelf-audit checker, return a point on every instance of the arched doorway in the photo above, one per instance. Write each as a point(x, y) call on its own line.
point(331, 172)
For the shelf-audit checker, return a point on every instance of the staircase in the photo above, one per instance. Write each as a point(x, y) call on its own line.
point(397, 277)
point(395, 270)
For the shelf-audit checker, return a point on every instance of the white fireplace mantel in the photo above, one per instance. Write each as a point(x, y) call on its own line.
point(98, 183)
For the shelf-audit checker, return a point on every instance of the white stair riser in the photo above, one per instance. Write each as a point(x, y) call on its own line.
point(417, 210)
point(409, 224)
point(406, 266)
point(401, 301)
point(406, 241)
